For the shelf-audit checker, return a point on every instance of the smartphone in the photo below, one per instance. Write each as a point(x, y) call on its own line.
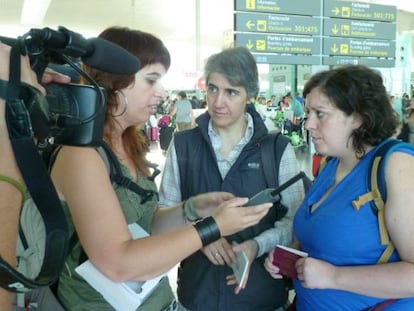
point(263, 196)
point(240, 267)
point(273, 195)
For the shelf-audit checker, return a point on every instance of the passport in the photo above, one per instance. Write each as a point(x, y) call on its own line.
point(285, 259)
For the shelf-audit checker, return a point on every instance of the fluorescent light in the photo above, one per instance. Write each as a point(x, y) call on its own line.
point(34, 11)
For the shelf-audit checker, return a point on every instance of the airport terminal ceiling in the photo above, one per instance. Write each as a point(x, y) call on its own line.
point(173, 21)
point(191, 29)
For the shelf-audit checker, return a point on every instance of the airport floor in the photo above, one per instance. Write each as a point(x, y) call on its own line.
point(156, 155)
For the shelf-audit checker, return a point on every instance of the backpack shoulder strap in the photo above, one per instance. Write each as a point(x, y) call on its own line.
point(271, 150)
point(117, 177)
point(112, 168)
point(377, 192)
point(49, 158)
point(115, 174)
point(107, 155)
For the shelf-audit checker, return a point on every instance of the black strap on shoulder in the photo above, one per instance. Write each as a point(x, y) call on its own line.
point(115, 173)
point(117, 177)
point(41, 188)
point(271, 149)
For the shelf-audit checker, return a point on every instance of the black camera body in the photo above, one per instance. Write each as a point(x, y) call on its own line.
point(76, 114)
point(71, 114)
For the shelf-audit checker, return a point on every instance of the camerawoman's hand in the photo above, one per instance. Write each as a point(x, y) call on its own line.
point(52, 76)
point(231, 216)
point(205, 204)
point(27, 75)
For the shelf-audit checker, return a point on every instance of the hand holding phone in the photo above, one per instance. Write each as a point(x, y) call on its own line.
point(263, 196)
point(273, 195)
point(240, 267)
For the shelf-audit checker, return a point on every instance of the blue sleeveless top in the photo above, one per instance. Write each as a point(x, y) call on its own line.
point(337, 233)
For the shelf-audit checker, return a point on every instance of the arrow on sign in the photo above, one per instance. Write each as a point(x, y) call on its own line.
point(249, 44)
point(334, 48)
point(335, 11)
point(335, 29)
point(250, 24)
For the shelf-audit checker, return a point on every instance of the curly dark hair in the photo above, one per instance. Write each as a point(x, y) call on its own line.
point(360, 90)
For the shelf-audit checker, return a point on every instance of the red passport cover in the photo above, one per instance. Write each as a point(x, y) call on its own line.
point(285, 259)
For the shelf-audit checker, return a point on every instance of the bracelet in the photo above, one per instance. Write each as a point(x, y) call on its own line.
point(208, 230)
point(188, 210)
point(19, 186)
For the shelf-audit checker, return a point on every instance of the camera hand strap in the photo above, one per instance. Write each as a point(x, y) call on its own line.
point(40, 186)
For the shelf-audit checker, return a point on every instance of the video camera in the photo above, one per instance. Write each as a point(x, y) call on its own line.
point(70, 114)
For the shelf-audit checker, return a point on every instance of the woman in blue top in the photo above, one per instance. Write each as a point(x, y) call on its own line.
point(348, 116)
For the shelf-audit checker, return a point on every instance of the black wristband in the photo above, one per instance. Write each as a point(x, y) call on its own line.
point(208, 230)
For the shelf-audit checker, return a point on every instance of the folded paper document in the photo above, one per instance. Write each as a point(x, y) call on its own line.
point(122, 296)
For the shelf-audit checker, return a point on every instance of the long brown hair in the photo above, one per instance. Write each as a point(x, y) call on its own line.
point(149, 49)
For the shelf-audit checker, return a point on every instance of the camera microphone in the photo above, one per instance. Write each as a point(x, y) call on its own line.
point(95, 52)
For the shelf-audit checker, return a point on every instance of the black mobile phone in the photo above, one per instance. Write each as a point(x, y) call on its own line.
point(273, 195)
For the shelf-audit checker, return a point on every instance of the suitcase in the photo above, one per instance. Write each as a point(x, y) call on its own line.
point(165, 136)
point(152, 133)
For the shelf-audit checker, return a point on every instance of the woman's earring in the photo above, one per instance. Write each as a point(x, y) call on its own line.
point(125, 100)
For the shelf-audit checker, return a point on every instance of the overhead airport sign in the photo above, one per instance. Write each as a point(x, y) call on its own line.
point(277, 23)
point(357, 28)
point(315, 32)
point(297, 7)
point(276, 43)
point(262, 58)
point(367, 61)
point(359, 47)
point(359, 10)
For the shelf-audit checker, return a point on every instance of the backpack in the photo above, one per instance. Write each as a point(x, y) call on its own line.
point(271, 151)
point(164, 121)
point(42, 241)
point(377, 196)
point(405, 132)
point(117, 178)
point(32, 237)
point(377, 192)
